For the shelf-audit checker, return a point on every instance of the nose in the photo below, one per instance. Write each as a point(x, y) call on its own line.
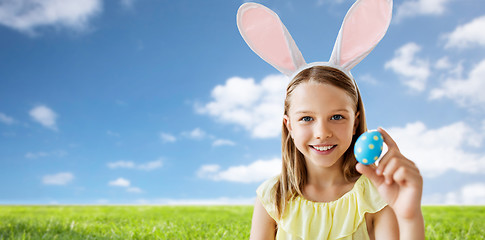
point(322, 130)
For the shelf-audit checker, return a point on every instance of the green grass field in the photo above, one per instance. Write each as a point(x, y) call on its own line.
point(187, 222)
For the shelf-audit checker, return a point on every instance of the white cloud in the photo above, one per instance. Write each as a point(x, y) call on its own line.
point(127, 3)
point(102, 201)
point(256, 107)
point(27, 15)
point(443, 63)
point(131, 165)
point(126, 184)
point(121, 164)
point(255, 172)
point(223, 142)
point(120, 182)
point(322, 2)
point(367, 78)
point(62, 178)
point(151, 165)
point(473, 193)
point(167, 138)
point(470, 194)
point(45, 116)
point(413, 8)
point(36, 155)
point(207, 170)
point(57, 153)
point(225, 201)
point(6, 119)
point(413, 71)
point(134, 190)
point(196, 134)
point(468, 35)
point(466, 92)
point(436, 151)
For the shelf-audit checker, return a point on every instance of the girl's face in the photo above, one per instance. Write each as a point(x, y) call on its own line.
point(321, 120)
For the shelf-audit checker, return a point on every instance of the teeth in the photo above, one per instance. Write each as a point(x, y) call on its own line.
point(325, 148)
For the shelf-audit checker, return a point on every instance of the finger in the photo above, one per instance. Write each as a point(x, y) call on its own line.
point(401, 176)
point(396, 159)
point(391, 144)
point(408, 176)
point(390, 169)
point(370, 172)
point(383, 162)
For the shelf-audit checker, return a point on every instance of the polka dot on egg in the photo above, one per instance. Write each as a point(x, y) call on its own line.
point(375, 158)
point(364, 137)
point(365, 160)
point(359, 150)
point(371, 146)
point(376, 138)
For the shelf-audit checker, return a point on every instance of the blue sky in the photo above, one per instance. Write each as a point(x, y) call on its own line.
point(162, 102)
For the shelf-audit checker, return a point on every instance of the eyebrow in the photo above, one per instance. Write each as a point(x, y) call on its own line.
point(304, 112)
point(336, 110)
point(342, 110)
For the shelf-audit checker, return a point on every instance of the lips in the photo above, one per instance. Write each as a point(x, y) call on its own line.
point(323, 148)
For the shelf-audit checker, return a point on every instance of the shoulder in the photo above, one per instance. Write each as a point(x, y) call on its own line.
point(266, 195)
point(265, 190)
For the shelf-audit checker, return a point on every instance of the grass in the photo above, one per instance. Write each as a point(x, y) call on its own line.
point(124, 222)
point(188, 222)
point(454, 222)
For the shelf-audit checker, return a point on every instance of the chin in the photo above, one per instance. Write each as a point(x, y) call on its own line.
point(323, 163)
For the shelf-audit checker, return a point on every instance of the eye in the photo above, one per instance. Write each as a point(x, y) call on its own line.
point(306, 119)
point(337, 117)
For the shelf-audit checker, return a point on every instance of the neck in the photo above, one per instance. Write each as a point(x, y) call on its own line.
point(326, 176)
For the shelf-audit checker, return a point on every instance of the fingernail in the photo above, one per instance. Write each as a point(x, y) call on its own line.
point(378, 172)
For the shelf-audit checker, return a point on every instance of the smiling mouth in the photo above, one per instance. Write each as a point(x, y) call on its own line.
point(323, 148)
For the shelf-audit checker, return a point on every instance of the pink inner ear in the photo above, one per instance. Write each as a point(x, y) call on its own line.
point(363, 29)
point(265, 35)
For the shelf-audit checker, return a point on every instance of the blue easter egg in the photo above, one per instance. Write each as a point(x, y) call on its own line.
point(368, 147)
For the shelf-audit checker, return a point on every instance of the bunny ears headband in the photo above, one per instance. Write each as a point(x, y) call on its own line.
point(363, 27)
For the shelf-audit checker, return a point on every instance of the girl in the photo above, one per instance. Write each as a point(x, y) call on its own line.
point(322, 193)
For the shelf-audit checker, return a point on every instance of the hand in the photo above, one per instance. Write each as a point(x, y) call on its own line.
point(397, 179)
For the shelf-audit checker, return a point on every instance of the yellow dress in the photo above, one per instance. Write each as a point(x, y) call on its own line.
point(343, 218)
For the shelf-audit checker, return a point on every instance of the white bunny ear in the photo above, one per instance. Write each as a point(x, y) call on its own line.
point(364, 26)
point(266, 35)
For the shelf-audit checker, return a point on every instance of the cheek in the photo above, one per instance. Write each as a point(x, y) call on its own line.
point(345, 130)
point(301, 133)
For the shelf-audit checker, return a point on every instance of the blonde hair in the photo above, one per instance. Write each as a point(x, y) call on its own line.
point(294, 173)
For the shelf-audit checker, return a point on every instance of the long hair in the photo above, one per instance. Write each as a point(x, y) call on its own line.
point(294, 171)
